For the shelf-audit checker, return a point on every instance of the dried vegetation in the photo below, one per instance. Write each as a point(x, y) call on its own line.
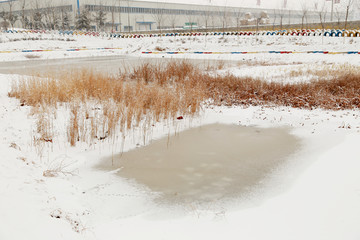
point(101, 106)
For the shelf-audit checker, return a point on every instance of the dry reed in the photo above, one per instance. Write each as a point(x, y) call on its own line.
point(338, 93)
point(101, 106)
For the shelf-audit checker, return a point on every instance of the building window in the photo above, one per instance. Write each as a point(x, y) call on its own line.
point(128, 28)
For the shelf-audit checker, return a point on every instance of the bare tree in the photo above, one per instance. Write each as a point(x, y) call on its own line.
point(9, 12)
point(224, 16)
point(281, 12)
point(190, 18)
point(10, 16)
point(239, 14)
point(322, 17)
point(37, 20)
point(338, 16)
point(119, 15)
point(275, 17)
point(357, 8)
point(2, 14)
point(24, 20)
point(112, 11)
point(304, 11)
point(213, 18)
point(128, 14)
point(159, 16)
point(51, 16)
point(206, 17)
point(257, 21)
point(348, 6)
point(46, 15)
point(4, 23)
point(172, 20)
point(37, 15)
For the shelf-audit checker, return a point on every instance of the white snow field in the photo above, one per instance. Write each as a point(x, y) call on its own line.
point(55, 191)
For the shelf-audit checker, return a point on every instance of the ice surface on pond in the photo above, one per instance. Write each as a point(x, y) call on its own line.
point(209, 163)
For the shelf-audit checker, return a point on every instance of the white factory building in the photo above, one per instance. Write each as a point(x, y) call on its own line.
point(131, 15)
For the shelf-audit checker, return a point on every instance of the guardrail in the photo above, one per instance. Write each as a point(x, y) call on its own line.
point(290, 32)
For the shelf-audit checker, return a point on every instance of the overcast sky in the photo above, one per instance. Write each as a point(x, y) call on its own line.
point(291, 4)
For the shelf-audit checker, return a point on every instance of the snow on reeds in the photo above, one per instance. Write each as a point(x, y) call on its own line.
point(101, 106)
point(339, 92)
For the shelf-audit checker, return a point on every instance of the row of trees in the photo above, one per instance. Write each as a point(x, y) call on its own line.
point(223, 18)
point(44, 15)
point(323, 11)
point(52, 17)
point(39, 16)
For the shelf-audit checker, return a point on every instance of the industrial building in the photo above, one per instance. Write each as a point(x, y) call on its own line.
point(131, 15)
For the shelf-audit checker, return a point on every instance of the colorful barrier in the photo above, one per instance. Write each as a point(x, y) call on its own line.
point(57, 50)
point(289, 32)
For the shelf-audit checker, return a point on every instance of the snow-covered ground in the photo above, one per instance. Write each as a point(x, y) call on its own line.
point(135, 46)
point(61, 195)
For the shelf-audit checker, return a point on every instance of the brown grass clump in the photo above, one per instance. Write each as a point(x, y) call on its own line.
point(32, 56)
point(101, 106)
point(324, 71)
point(159, 49)
point(74, 125)
point(341, 92)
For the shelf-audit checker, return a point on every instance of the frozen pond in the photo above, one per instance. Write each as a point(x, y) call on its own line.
point(208, 163)
point(110, 65)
